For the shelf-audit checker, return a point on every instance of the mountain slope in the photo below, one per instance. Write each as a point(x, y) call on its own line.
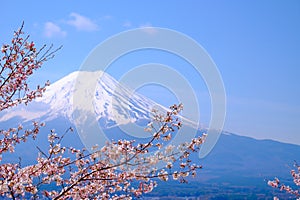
point(114, 104)
point(58, 102)
point(240, 156)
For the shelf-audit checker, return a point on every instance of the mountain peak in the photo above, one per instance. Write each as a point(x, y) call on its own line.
point(112, 106)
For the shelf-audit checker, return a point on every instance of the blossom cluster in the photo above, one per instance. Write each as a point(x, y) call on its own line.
point(13, 136)
point(296, 178)
point(18, 61)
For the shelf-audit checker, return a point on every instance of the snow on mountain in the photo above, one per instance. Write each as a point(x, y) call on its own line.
point(113, 103)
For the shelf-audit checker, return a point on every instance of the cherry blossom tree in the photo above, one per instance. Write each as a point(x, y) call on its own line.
point(18, 62)
point(295, 173)
point(119, 170)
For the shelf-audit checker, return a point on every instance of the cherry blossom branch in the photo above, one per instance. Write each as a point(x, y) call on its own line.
point(282, 187)
point(11, 137)
point(20, 60)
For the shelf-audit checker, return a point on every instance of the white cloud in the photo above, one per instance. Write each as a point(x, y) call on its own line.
point(82, 23)
point(53, 30)
point(148, 28)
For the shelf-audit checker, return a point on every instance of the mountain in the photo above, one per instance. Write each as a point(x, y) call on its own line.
point(235, 160)
point(112, 107)
point(116, 109)
point(95, 102)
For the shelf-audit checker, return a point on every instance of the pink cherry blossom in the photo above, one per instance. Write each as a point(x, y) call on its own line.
point(281, 186)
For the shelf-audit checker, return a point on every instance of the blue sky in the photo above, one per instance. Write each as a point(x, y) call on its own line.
point(255, 44)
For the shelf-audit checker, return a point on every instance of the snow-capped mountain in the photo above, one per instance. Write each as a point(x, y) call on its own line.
point(113, 103)
point(97, 106)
